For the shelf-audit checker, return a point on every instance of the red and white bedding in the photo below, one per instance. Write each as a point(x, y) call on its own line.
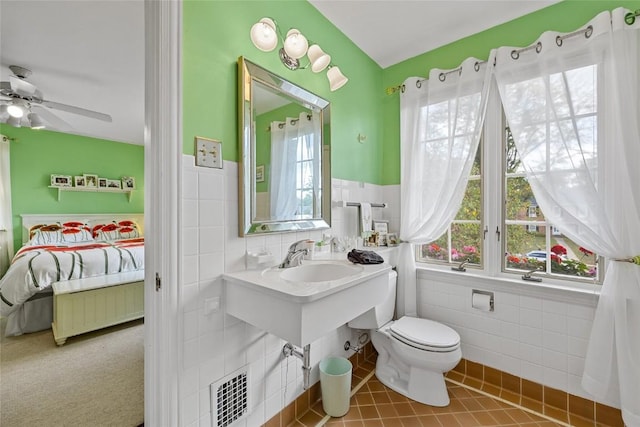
point(37, 267)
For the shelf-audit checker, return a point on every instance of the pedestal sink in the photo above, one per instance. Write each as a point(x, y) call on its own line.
point(301, 304)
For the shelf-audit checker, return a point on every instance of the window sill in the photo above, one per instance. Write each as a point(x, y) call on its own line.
point(586, 294)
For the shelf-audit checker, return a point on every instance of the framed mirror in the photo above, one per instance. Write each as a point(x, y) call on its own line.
point(284, 171)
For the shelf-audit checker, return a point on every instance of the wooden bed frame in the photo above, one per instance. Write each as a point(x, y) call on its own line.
point(89, 304)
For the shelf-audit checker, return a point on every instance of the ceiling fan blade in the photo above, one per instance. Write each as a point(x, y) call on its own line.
point(77, 110)
point(22, 87)
point(55, 121)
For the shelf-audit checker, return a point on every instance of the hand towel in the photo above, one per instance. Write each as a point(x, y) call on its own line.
point(365, 216)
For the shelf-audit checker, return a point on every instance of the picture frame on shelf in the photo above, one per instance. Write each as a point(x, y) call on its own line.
point(102, 182)
point(381, 225)
point(128, 183)
point(260, 173)
point(392, 239)
point(61, 180)
point(114, 184)
point(90, 180)
point(79, 181)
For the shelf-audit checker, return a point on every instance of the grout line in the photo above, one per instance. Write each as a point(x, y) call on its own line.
point(357, 388)
point(484, 393)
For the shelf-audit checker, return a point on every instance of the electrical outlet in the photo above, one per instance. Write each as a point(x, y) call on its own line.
point(208, 153)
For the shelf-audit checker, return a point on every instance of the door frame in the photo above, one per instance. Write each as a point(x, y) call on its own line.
point(163, 181)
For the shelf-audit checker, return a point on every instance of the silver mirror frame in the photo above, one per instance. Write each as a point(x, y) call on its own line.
point(248, 73)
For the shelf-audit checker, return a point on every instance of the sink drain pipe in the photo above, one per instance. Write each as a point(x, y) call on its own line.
point(304, 355)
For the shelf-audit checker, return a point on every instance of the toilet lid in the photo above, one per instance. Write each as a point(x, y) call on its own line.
point(425, 334)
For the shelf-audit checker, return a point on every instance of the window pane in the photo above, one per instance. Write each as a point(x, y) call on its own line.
point(466, 243)
point(520, 203)
point(470, 209)
point(569, 259)
point(436, 251)
point(524, 249)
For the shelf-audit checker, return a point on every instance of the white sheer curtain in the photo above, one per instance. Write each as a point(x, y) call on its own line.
point(291, 141)
point(440, 127)
point(572, 105)
point(6, 226)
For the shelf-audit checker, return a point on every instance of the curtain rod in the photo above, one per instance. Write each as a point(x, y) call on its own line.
point(293, 122)
point(587, 32)
point(629, 18)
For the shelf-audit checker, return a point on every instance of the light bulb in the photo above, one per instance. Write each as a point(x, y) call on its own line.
point(35, 121)
point(263, 35)
point(318, 59)
point(336, 78)
point(15, 111)
point(295, 44)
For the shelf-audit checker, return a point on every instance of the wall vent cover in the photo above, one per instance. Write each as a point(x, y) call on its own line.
point(229, 398)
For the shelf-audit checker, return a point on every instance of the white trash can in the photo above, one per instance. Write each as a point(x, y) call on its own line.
point(335, 384)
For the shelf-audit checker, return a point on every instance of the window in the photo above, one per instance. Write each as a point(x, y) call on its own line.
point(531, 243)
point(502, 196)
point(463, 240)
point(304, 176)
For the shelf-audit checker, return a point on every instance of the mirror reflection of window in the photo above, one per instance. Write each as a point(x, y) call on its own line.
point(295, 167)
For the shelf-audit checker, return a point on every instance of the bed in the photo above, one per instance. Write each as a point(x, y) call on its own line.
point(76, 273)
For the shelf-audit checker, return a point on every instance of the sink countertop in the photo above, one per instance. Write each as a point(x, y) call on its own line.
point(268, 280)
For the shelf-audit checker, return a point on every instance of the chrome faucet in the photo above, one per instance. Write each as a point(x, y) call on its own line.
point(529, 276)
point(294, 255)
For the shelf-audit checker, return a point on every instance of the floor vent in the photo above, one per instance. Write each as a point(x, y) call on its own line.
point(229, 398)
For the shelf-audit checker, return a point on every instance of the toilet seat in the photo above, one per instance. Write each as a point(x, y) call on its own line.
point(425, 334)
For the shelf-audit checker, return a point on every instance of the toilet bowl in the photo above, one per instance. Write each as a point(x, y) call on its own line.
point(413, 353)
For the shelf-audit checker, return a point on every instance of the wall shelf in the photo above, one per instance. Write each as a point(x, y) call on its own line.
point(92, 190)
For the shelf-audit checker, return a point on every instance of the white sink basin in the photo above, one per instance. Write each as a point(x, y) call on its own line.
point(320, 272)
point(302, 304)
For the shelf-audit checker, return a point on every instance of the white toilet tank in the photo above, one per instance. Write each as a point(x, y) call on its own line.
point(380, 314)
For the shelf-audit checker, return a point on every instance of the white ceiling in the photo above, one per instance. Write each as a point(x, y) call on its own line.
point(391, 31)
point(90, 53)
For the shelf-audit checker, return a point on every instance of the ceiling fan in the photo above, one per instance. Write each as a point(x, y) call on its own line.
point(22, 104)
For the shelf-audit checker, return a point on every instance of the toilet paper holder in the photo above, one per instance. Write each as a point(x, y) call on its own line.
point(482, 300)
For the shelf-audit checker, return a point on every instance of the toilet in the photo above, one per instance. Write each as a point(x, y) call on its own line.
point(413, 353)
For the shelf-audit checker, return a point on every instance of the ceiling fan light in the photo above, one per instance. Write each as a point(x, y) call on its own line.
point(16, 122)
point(318, 59)
point(336, 78)
point(263, 35)
point(15, 111)
point(35, 121)
point(295, 44)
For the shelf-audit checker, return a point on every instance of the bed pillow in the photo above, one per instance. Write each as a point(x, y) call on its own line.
point(59, 233)
point(116, 230)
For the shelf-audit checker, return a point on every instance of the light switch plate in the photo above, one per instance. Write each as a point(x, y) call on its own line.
point(208, 153)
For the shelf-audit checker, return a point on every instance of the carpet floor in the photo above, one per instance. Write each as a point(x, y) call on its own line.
point(95, 379)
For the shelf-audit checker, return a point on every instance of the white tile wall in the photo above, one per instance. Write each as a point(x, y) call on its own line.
point(539, 339)
point(535, 338)
point(216, 344)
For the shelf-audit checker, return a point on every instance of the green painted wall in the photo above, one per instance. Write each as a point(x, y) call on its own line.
point(35, 155)
point(565, 16)
point(216, 33)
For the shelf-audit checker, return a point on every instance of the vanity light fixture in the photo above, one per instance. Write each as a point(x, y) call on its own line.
point(265, 35)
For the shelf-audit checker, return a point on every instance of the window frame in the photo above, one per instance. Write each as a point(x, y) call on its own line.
point(493, 215)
